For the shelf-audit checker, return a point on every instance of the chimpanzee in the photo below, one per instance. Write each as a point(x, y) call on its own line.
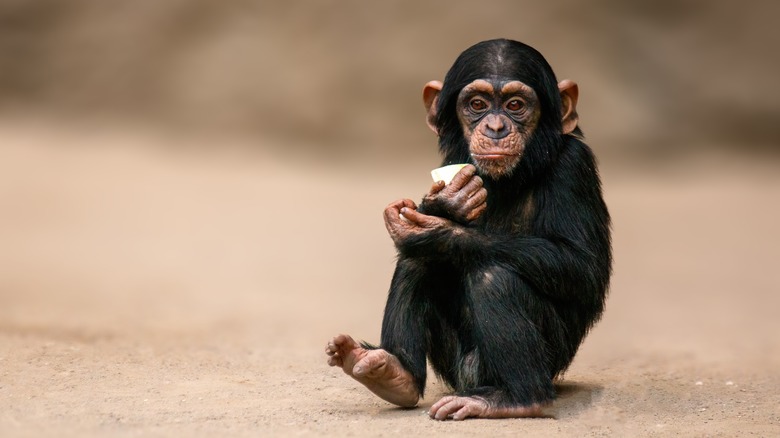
point(501, 272)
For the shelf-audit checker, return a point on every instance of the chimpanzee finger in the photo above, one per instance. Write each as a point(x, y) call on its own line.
point(393, 210)
point(392, 216)
point(477, 198)
point(462, 177)
point(439, 404)
point(449, 408)
point(474, 184)
point(469, 410)
point(476, 212)
point(401, 203)
point(436, 187)
point(471, 213)
point(416, 217)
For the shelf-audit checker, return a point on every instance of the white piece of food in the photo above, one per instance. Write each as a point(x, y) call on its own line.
point(446, 173)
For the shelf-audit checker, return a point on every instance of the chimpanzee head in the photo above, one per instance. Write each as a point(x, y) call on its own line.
point(501, 108)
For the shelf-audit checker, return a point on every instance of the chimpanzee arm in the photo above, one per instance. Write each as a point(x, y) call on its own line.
point(544, 262)
point(568, 249)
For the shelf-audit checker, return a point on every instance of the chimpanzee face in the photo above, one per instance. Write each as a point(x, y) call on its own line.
point(501, 108)
point(498, 117)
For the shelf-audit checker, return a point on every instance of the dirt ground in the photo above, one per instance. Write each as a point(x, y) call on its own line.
point(149, 290)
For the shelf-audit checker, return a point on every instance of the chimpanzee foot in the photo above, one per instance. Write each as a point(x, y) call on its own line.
point(460, 408)
point(378, 370)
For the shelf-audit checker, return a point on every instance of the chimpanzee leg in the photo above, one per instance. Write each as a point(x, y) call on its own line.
point(512, 360)
point(508, 320)
point(396, 371)
point(404, 330)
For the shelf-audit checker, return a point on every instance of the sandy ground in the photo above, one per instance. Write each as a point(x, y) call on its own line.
point(155, 291)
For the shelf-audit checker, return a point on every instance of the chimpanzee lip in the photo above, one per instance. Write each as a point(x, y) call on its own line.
point(494, 155)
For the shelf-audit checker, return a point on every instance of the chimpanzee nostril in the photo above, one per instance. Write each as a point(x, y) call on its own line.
point(495, 128)
point(496, 135)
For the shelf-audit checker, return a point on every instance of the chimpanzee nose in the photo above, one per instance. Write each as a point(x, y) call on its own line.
point(495, 128)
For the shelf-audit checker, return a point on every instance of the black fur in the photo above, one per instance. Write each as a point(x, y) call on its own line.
point(500, 306)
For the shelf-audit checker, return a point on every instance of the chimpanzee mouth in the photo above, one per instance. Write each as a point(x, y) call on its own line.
point(494, 156)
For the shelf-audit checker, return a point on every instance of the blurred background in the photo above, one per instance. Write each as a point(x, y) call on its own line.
point(343, 78)
point(158, 156)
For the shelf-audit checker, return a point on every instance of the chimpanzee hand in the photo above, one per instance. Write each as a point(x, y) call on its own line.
point(412, 224)
point(462, 200)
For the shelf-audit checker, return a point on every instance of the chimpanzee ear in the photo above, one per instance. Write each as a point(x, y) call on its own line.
point(431, 101)
point(569, 94)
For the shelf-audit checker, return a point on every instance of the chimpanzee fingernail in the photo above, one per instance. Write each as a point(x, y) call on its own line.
point(358, 370)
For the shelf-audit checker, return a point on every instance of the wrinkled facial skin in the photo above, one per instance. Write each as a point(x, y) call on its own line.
point(498, 117)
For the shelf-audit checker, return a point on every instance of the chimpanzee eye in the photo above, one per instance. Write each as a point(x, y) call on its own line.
point(477, 105)
point(514, 105)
